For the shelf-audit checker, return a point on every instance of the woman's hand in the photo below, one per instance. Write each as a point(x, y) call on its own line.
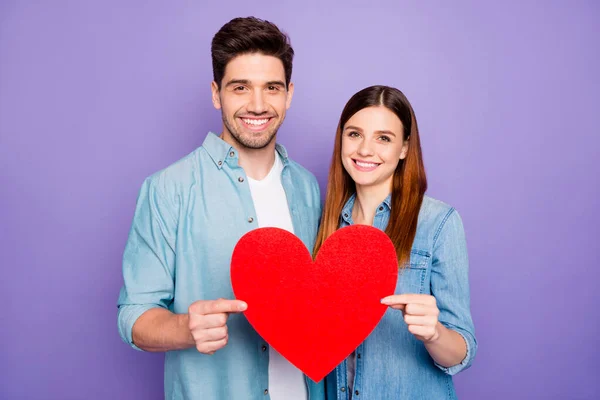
point(420, 314)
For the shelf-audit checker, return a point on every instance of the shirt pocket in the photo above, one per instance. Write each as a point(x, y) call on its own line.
point(412, 277)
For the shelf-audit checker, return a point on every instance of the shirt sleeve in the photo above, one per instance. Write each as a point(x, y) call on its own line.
point(450, 285)
point(149, 259)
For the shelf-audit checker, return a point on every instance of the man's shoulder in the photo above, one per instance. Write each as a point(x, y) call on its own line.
point(180, 172)
point(305, 185)
point(300, 172)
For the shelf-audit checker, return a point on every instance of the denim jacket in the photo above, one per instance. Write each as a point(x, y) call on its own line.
point(188, 219)
point(391, 363)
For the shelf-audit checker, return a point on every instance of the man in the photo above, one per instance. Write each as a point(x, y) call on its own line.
point(177, 295)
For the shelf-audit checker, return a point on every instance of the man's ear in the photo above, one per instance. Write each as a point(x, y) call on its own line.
point(216, 98)
point(290, 94)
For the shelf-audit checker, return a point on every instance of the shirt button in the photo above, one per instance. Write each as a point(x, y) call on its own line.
point(264, 348)
point(356, 393)
point(343, 389)
point(380, 208)
point(240, 179)
point(250, 219)
point(233, 154)
point(220, 163)
point(346, 215)
point(266, 391)
point(358, 355)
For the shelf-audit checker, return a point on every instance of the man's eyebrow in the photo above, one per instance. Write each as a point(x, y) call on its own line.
point(275, 83)
point(247, 82)
point(237, 82)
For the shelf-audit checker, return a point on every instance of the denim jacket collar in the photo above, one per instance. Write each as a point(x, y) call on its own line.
point(385, 206)
point(219, 150)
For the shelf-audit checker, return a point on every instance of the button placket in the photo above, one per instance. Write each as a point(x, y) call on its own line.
point(237, 173)
point(358, 371)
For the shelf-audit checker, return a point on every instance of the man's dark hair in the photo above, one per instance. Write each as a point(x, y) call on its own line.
point(250, 35)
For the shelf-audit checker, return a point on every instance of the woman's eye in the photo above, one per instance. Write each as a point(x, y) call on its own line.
point(385, 139)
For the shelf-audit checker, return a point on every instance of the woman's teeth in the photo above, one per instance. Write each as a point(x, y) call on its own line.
point(365, 164)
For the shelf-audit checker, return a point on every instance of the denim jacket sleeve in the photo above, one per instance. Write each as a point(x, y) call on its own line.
point(149, 258)
point(450, 284)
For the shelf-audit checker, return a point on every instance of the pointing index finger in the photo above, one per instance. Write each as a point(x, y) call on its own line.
point(225, 306)
point(406, 298)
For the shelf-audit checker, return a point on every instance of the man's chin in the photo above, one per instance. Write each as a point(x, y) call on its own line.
point(256, 140)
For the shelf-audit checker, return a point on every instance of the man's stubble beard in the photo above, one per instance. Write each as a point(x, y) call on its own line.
point(249, 143)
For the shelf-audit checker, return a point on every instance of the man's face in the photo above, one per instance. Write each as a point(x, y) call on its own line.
point(253, 99)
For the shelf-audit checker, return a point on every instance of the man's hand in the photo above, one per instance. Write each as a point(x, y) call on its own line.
point(208, 322)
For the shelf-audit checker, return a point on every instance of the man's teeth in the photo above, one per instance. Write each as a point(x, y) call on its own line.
point(255, 122)
point(366, 165)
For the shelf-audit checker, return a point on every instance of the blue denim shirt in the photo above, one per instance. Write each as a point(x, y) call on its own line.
point(188, 219)
point(391, 363)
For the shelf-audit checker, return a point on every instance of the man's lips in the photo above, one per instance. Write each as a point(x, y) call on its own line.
point(256, 123)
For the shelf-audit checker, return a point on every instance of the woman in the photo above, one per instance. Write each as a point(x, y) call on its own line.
point(377, 178)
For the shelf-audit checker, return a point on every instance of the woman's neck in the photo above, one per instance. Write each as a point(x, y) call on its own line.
point(368, 198)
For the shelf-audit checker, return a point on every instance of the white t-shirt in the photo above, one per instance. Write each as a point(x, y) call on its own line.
point(286, 382)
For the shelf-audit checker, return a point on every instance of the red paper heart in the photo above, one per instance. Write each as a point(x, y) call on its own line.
point(314, 313)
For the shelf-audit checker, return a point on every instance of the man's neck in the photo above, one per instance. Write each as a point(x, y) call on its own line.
point(257, 163)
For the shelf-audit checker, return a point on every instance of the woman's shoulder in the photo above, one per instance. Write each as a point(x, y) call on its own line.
point(433, 216)
point(434, 209)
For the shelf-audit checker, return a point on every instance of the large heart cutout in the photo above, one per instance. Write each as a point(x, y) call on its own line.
point(314, 313)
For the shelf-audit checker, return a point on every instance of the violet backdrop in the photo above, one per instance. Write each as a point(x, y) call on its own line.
point(95, 96)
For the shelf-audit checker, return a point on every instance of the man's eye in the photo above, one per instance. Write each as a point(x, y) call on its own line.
point(239, 88)
point(273, 88)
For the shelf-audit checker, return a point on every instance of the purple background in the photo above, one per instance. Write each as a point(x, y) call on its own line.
point(95, 97)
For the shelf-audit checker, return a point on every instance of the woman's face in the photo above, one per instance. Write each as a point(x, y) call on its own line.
point(372, 146)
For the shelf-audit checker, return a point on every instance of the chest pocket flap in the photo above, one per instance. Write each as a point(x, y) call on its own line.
point(413, 277)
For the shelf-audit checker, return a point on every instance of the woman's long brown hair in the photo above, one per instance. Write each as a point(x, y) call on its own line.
point(409, 181)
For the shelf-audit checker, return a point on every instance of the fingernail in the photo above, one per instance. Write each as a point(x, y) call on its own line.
point(385, 300)
point(242, 306)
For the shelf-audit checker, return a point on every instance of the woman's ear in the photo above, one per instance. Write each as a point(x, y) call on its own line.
point(404, 151)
